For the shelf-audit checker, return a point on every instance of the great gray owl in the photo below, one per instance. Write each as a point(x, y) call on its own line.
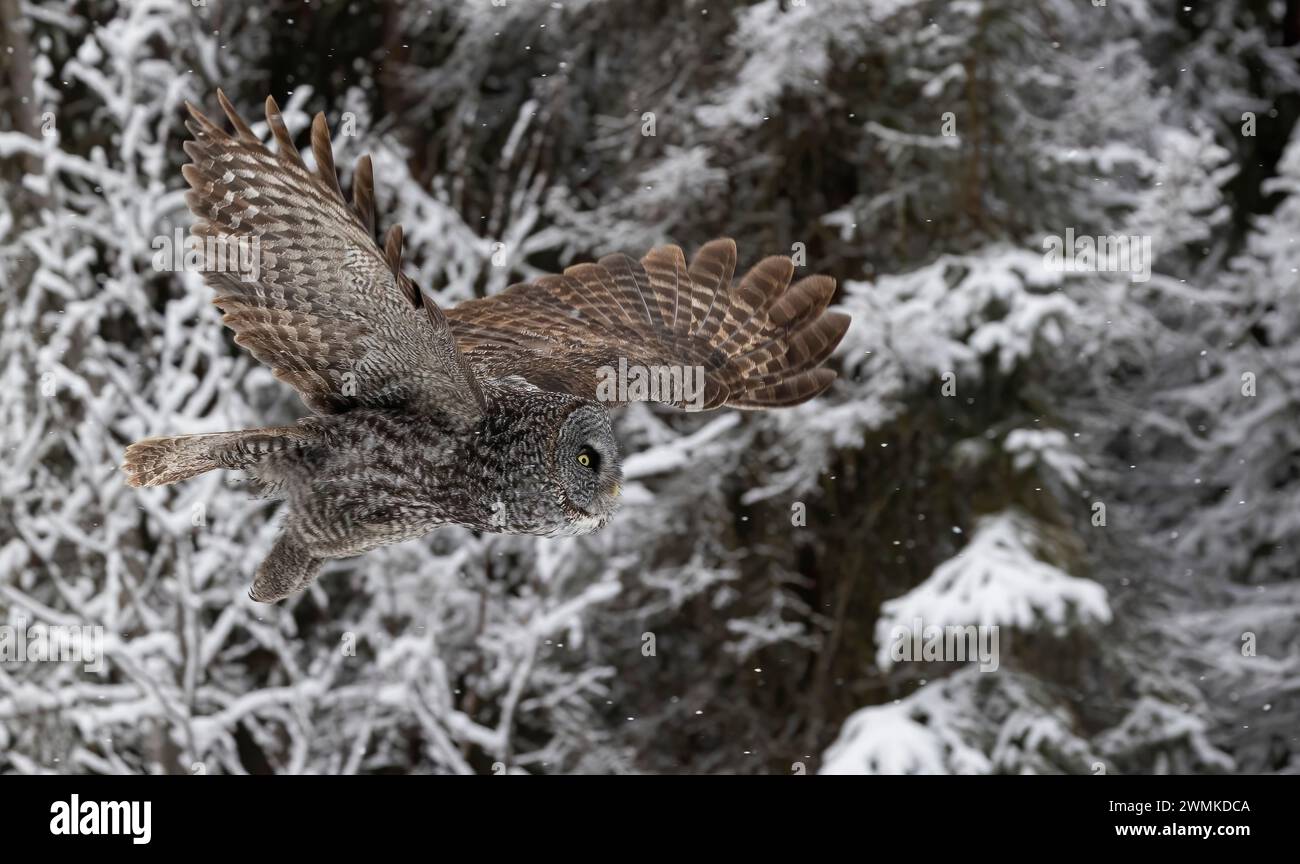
point(489, 415)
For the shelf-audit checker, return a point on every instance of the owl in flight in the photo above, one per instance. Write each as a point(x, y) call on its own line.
point(489, 414)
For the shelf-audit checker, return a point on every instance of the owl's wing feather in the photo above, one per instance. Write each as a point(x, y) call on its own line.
point(323, 306)
point(760, 342)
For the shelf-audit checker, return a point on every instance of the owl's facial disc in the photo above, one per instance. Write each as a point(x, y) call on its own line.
point(587, 464)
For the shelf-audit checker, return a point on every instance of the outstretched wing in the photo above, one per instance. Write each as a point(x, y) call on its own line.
point(311, 295)
point(759, 343)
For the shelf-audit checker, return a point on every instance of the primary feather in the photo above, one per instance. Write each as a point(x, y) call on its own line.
point(760, 341)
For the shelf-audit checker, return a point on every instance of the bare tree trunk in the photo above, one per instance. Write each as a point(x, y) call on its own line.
point(17, 101)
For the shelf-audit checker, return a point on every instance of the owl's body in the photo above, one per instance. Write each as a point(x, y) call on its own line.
point(484, 416)
point(396, 476)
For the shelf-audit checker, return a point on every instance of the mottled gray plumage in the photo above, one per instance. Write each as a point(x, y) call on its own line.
point(483, 416)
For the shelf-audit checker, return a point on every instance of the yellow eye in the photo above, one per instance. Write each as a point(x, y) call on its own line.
point(588, 458)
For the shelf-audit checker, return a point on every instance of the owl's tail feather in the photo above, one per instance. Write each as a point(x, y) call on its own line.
point(160, 461)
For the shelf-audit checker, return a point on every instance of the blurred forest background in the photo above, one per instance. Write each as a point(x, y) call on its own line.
point(986, 405)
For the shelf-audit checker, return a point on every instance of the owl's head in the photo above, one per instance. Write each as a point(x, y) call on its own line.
point(587, 467)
